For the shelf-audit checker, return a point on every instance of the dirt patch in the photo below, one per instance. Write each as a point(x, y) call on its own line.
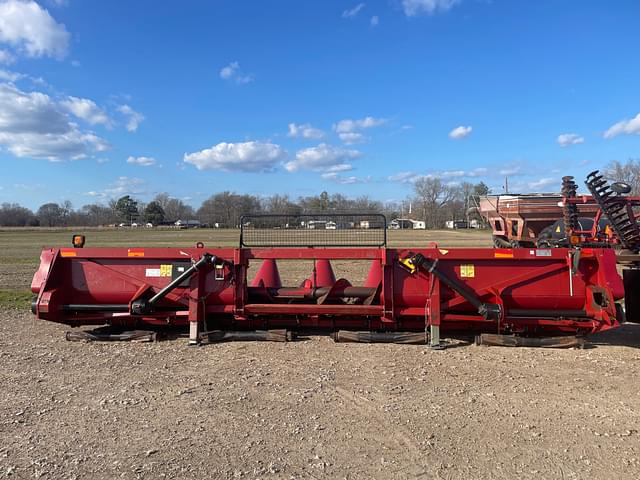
point(314, 409)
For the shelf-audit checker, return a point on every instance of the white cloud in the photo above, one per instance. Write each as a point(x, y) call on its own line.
point(238, 157)
point(304, 131)
point(511, 170)
point(142, 161)
point(351, 138)
point(453, 173)
point(334, 177)
point(352, 12)
point(29, 29)
point(408, 177)
point(34, 125)
point(542, 183)
point(323, 158)
point(340, 167)
point(402, 177)
point(87, 110)
point(348, 125)
point(232, 73)
point(627, 127)
point(229, 71)
point(9, 76)
point(375, 20)
point(460, 132)
point(118, 188)
point(478, 172)
point(6, 57)
point(415, 7)
point(244, 79)
point(133, 118)
point(350, 131)
point(567, 139)
point(124, 186)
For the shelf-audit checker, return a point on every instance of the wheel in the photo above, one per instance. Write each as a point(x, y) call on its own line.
point(545, 238)
point(621, 188)
point(501, 242)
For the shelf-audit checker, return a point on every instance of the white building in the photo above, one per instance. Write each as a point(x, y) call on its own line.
point(407, 224)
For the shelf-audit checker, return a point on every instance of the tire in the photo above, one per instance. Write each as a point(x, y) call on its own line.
point(501, 242)
point(545, 239)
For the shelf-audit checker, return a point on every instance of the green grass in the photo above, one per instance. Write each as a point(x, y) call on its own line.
point(18, 299)
point(20, 247)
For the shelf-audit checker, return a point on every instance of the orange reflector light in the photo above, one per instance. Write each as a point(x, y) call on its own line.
point(135, 253)
point(67, 253)
point(502, 255)
point(78, 241)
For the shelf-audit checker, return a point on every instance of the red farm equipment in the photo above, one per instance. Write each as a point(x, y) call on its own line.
point(408, 296)
point(606, 218)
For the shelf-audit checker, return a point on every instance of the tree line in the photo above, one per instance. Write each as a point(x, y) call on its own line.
point(433, 202)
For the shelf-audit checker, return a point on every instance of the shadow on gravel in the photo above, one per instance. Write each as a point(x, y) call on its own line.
point(628, 335)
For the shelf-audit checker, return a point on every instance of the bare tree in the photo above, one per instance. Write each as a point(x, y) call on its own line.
point(50, 215)
point(281, 205)
point(174, 209)
point(431, 197)
point(628, 172)
point(14, 215)
point(97, 215)
point(226, 208)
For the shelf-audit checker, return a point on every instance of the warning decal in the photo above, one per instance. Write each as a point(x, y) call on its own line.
point(467, 271)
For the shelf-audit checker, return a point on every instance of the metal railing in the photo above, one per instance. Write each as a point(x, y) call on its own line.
point(314, 230)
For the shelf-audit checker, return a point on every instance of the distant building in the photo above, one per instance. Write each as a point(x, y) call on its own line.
point(407, 224)
point(462, 224)
point(188, 224)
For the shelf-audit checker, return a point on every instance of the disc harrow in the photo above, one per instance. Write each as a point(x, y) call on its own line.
point(570, 210)
point(617, 210)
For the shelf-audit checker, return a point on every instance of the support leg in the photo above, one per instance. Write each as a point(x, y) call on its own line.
point(196, 306)
point(434, 342)
point(193, 334)
point(434, 315)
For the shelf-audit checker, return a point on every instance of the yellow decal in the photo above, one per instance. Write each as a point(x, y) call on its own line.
point(67, 253)
point(443, 252)
point(558, 229)
point(467, 271)
point(502, 255)
point(166, 270)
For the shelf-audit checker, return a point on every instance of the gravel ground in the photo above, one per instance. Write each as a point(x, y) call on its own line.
point(314, 409)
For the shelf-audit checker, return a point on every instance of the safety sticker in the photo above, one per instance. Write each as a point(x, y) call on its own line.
point(166, 270)
point(467, 271)
point(152, 272)
point(543, 252)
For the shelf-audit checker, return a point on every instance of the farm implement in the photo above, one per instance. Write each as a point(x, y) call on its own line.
point(410, 295)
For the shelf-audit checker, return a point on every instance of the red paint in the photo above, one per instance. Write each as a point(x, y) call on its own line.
point(526, 279)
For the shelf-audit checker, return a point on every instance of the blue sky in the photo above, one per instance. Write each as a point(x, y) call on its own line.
point(100, 99)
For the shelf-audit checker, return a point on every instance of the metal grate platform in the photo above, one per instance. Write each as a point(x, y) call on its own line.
point(320, 230)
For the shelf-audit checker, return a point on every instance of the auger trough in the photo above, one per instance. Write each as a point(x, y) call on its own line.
point(410, 295)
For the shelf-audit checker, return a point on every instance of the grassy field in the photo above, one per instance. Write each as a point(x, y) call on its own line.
point(20, 248)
